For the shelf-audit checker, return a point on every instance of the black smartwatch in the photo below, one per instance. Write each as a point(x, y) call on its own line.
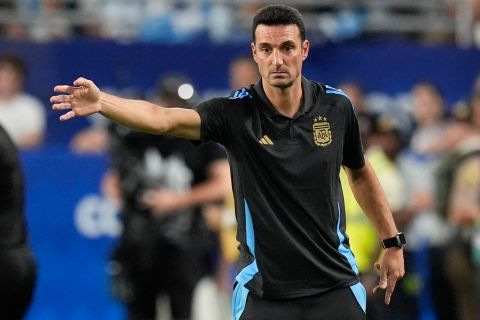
point(398, 241)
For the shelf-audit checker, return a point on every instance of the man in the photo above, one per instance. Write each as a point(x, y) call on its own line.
point(22, 115)
point(17, 264)
point(463, 258)
point(286, 138)
point(458, 187)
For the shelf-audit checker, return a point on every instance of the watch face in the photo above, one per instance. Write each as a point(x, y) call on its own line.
point(397, 241)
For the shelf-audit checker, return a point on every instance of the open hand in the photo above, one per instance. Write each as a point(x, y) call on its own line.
point(82, 99)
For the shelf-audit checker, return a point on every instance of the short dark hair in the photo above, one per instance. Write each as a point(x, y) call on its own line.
point(274, 15)
point(15, 61)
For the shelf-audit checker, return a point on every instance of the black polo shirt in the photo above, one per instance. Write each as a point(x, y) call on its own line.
point(288, 196)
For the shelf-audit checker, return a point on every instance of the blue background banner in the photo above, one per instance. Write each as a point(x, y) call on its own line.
point(390, 67)
point(72, 231)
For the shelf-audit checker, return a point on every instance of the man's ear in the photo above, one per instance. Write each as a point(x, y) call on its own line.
point(254, 51)
point(305, 49)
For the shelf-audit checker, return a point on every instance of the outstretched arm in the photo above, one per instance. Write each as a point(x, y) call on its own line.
point(85, 98)
point(370, 197)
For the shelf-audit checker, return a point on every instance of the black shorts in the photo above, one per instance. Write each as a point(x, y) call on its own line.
point(337, 304)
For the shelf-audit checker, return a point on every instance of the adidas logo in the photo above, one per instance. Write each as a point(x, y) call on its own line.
point(265, 140)
point(241, 94)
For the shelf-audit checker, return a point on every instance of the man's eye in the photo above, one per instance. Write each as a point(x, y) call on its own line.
point(288, 48)
point(266, 50)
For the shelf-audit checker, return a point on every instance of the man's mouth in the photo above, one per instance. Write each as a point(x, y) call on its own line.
point(278, 73)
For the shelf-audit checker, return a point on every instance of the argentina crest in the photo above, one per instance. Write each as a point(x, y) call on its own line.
point(322, 135)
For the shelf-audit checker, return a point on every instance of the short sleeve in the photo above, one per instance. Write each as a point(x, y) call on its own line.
point(213, 120)
point(353, 155)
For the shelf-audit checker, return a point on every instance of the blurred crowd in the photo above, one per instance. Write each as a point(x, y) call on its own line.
point(427, 158)
point(180, 21)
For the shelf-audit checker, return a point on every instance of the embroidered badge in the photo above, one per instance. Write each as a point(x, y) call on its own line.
point(322, 135)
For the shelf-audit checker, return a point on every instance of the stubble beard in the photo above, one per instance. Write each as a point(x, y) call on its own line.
point(283, 83)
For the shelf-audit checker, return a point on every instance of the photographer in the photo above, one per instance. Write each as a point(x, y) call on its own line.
point(166, 246)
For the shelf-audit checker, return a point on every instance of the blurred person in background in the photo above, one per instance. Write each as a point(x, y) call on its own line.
point(463, 124)
point(386, 142)
point(354, 90)
point(22, 115)
point(426, 288)
point(12, 29)
point(242, 72)
point(51, 19)
point(166, 247)
point(458, 199)
point(17, 264)
point(356, 93)
point(92, 139)
point(464, 214)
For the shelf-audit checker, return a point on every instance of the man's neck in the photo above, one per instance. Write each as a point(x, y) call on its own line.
point(287, 101)
point(7, 96)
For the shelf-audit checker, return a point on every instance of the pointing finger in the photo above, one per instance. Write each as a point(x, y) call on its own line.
point(390, 288)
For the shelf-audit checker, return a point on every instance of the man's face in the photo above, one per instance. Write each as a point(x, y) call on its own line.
point(279, 53)
point(10, 81)
point(242, 73)
point(427, 106)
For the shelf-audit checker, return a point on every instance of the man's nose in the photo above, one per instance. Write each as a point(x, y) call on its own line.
point(277, 58)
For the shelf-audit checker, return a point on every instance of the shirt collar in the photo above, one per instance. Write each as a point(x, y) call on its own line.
point(269, 109)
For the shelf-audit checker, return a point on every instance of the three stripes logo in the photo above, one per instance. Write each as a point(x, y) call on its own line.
point(266, 140)
point(241, 94)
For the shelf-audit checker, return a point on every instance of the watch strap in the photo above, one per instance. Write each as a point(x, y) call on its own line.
point(397, 241)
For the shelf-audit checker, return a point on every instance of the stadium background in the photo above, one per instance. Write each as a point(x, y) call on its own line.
point(72, 228)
